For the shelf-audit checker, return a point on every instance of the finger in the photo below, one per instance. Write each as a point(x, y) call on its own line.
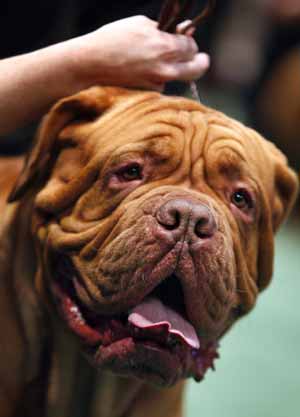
point(182, 48)
point(181, 28)
point(187, 47)
point(193, 69)
point(190, 31)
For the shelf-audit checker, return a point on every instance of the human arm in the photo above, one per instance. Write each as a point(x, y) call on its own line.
point(130, 52)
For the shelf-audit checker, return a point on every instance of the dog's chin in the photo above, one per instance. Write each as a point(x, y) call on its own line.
point(157, 354)
point(148, 360)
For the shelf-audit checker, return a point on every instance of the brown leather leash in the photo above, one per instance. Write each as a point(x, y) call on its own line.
point(174, 12)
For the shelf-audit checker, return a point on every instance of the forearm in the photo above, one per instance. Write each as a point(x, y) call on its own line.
point(30, 83)
point(131, 53)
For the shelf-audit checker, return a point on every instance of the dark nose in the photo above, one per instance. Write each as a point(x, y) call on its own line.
point(187, 217)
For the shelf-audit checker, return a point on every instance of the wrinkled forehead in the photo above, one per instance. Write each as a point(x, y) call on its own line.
point(236, 150)
point(174, 125)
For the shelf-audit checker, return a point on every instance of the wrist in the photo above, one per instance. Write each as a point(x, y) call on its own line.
point(81, 63)
point(63, 75)
point(93, 59)
point(57, 70)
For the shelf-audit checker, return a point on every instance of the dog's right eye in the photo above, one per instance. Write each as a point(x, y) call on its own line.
point(131, 172)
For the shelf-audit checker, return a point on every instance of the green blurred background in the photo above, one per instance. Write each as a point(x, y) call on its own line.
point(258, 374)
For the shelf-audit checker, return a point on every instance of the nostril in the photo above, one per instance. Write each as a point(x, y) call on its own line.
point(205, 227)
point(171, 219)
point(188, 217)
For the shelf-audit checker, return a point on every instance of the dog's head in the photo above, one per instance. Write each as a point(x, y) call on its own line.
point(154, 219)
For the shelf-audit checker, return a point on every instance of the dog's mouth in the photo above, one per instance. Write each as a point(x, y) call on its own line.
point(152, 340)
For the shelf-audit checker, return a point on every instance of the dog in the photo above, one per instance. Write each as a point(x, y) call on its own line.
point(139, 230)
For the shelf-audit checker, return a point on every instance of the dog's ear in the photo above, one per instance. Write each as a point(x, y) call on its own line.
point(285, 190)
point(286, 186)
point(86, 105)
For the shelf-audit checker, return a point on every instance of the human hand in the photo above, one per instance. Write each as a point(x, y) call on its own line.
point(133, 52)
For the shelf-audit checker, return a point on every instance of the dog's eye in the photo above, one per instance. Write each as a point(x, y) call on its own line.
point(242, 199)
point(131, 173)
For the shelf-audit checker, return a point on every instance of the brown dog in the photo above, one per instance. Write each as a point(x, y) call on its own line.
point(141, 229)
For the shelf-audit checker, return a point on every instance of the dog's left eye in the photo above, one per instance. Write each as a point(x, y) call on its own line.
point(131, 173)
point(242, 199)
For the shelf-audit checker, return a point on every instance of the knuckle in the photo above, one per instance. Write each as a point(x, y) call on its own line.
point(178, 46)
point(193, 45)
point(188, 44)
point(144, 20)
point(171, 47)
point(167, 43)
point(191, 42)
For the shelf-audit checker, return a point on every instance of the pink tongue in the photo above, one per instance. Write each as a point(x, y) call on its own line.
point(153, 313)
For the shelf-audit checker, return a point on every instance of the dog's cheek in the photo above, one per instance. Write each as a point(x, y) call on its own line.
point(121, 268)
point(98, 202)
point(246, 255)
point(215, 294)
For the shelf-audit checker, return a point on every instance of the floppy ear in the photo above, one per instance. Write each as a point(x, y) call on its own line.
point(86, 105)
point(285, 187)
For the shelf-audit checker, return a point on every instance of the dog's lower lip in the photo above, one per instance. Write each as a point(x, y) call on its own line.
point(98, 333)
point(74, 318)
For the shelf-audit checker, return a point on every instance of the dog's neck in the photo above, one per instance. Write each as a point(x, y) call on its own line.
point(120, 397)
